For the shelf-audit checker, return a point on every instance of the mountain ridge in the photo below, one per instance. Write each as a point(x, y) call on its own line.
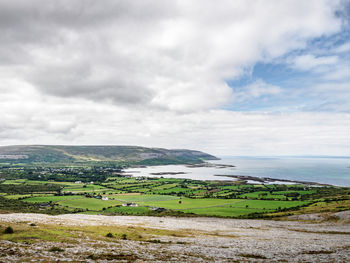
point(98, 153)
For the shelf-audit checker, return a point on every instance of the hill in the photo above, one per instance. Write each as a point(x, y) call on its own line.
point(72, 154)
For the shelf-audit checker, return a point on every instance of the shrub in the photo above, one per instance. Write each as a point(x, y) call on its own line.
point(124, 236)
point(109, 235)
point(8, 230)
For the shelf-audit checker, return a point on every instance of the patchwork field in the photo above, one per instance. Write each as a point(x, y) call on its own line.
point(101, 190)
point(203, 206)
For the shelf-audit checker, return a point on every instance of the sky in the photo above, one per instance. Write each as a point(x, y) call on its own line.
point(242, 77)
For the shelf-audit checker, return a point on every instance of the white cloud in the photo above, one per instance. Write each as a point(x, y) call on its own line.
point(338, 73)
point(342, 48)
point(255, 90)
point(154, 73)
point(168, 54)
point(62, 121)
point(310, 62)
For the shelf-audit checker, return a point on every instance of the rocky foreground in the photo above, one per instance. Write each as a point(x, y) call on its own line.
point(187, 240)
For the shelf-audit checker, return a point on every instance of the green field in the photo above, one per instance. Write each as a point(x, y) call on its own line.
point(23, 196)
point(70, 189)
point(224, 207)
point(224, 211)
point(141, 210)
point(51, 198)
point(187, 203)
point(75, 201)
point(78, 188)
point(280, 195)
point(144, 198)
point(18, 181)
point(89, 203)
point(36, 182)
point(200, 206)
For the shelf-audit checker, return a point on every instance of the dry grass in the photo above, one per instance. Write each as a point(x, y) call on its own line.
point(318, 207)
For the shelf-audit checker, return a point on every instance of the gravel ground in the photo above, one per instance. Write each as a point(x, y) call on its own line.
point(210, 240)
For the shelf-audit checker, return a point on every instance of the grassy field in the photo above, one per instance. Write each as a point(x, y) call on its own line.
point(35, 182)
point(141, 210)
point(23, 196)
point(78, 188)
point(75, 201)
point(175, 196)
point(223, 207)
point(202, 206)
point(144, 198)
point(45, 199)
point(186, 203)
point(89, 203)
point(280, 195)
point(224, 211)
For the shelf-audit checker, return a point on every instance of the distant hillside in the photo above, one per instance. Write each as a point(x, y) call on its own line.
point(68, 154)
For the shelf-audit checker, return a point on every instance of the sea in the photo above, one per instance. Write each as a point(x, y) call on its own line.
point(325, 170)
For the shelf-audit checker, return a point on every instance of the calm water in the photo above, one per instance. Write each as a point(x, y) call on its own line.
point(334, 171)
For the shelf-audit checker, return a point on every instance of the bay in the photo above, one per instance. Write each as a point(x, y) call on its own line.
point(327, 170)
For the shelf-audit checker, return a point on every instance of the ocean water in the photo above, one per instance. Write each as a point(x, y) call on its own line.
point(335, 171)
point(328, 170)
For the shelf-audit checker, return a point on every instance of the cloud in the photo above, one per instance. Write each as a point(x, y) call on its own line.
point(342, 48)
point(168, 54)
point(255, 90)
point(311, 62)
point(77, 121)
point(155, 73)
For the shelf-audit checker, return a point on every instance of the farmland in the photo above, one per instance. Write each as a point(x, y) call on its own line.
point(106, 190)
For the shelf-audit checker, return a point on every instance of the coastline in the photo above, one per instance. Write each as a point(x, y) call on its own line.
point(268, 180)
point(312, 171)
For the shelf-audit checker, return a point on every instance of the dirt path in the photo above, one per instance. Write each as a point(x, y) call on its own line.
point(208, 240)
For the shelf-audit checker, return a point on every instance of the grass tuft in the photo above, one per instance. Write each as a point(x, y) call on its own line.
point(56, 249)
point(8, 230)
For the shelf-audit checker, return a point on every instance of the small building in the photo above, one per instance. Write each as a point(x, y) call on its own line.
point(130, 204)
point(104, 198)
point(77, 182)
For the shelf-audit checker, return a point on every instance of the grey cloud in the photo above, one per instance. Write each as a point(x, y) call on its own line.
point(166, 54)
point(83, 80)
point(31, 29)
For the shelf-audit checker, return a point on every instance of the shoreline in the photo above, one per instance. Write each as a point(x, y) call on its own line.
point(243, 178)
point(268, 180)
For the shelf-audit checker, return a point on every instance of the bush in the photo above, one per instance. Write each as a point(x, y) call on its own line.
point(8, 230)
point(109, 235)
point(124, 236)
